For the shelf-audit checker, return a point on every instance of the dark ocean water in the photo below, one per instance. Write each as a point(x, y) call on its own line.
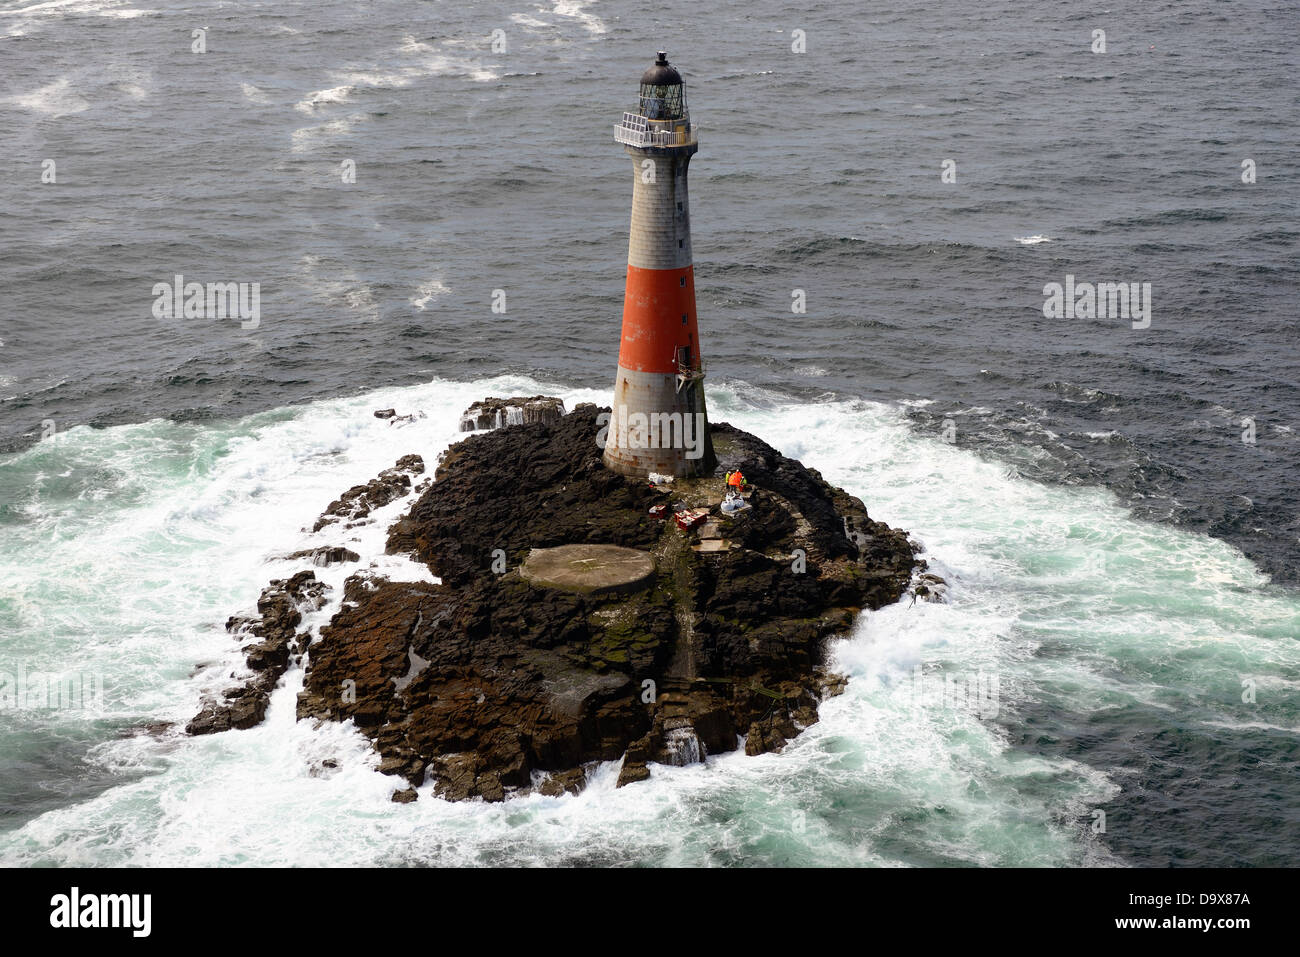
point(818, 171)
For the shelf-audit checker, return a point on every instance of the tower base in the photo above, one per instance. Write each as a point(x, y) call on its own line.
point(658, 424)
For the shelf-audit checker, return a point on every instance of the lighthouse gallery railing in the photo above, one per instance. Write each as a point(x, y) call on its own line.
point(635, 131)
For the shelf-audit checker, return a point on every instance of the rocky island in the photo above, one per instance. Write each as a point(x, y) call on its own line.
point(580, 615)
point(590, 587)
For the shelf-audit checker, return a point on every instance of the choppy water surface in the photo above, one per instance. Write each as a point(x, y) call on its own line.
point(1122, 561)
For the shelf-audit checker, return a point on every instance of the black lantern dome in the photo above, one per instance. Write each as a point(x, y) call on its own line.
point(663, 97)
point(661, 73)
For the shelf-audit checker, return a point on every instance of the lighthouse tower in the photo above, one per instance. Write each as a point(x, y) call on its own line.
point(659, 422)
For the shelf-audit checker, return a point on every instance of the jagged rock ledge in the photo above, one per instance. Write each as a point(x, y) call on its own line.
point(275, 640)
point(360, 500)
point(494, 413)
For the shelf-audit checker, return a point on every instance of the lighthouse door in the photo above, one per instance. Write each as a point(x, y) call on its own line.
point(683, 366)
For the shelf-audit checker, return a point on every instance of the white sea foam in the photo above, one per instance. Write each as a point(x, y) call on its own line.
point(444, 65)
point(560, 17)
point(134, 90)
point(378, 80)
point(1032, 240)
point(428, 292)
point(310, 139)
point(577, 10)
point(435, 60)
point(63, 9)
point(524, 20)
point(338, 283)
point(57, 98)
point(1054, 591)
point(254, 94)
point(336, 94)
point(349, 85)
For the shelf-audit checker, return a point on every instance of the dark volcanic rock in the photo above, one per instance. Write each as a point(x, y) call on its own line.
point(326, 555)
point(526, 487)
point(280, 612)
point(793, 485)
point(564, 782)
point(487, 682)
point(360, 500)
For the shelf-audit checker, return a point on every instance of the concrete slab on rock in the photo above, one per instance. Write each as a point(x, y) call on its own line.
point(709, 545)
point(590, 569)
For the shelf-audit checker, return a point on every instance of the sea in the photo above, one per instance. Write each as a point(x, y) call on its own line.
point(428, 203)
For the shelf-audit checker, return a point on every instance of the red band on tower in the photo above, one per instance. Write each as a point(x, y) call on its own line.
point(649, 343)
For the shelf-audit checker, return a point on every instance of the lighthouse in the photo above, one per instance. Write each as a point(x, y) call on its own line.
point(659, 422)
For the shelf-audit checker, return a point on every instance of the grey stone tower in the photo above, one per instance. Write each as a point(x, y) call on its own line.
point(660, 423)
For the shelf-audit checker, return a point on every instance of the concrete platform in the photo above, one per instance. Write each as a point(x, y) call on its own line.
point(712, 545)
point(590, 569)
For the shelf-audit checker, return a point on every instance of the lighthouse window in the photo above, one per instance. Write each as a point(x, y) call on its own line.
point(683, 319)
point(667, 102)
point(679, 244)
point(679, 207)
point(683, 280)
